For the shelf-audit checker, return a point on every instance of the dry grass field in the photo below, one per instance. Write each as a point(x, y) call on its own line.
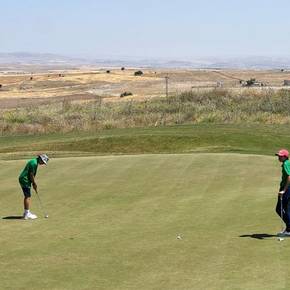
point(22, 89)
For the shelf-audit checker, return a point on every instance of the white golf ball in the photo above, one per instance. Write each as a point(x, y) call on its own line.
point(280, 239)
point(46, 216)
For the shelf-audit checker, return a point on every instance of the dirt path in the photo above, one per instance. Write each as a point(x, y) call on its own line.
point(9, 103)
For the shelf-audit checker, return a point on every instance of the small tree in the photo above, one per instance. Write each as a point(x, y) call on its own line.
point(250, 82)
point(125, 94)
point(138, 73)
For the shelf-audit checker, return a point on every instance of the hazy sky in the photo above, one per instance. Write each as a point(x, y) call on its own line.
point(162, 28)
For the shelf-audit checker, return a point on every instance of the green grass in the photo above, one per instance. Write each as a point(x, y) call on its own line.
point(114, 221)
point(256, 139)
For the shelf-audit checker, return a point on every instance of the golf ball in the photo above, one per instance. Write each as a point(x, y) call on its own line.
point(46, 216)
point(280, 239)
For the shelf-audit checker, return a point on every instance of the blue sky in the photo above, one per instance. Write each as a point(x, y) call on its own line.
point(180, 29)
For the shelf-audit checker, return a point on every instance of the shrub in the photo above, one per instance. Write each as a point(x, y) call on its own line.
point(125, 94)
point(138, 73)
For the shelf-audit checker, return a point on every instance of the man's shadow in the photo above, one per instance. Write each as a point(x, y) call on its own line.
point(13, 217)
point(258, 236)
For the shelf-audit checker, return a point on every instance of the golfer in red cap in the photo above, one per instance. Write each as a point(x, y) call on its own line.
point(284, 191)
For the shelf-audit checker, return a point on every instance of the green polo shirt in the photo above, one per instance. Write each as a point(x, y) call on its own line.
point(31, 167)
point(285, 173)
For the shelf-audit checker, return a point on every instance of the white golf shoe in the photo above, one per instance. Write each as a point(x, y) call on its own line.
point(284, 234)
point(29, 216)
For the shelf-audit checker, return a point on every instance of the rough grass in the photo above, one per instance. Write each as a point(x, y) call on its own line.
point(114, 223)
point(254, 139)
point(204, 107)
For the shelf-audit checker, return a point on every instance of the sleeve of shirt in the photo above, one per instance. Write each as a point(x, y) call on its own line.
point(31, 168)
point(287, 168)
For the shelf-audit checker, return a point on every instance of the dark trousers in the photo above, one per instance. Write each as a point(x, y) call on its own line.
point(285, 208)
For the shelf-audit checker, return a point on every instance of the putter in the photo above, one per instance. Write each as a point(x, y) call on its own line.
point(282, 224)
point(41, 206)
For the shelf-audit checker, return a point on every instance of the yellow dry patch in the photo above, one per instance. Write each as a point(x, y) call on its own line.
point(70, 83)
point(113, 77)
point(152, 83)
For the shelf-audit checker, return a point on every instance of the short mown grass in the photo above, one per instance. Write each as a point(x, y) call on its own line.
point(114, 220)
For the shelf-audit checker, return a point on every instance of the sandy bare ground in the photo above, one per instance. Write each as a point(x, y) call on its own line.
point(9, 103)
point(26, 89)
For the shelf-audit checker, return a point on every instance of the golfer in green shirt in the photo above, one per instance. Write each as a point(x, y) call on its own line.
point(283, 210)
point(26, 178)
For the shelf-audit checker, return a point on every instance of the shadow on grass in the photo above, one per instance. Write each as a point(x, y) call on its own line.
point(13, 217)
point(258, 236)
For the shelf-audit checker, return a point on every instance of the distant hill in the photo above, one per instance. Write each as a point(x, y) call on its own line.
point(50, 60)
point(24, 58)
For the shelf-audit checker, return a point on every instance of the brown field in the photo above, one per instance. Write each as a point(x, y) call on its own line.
point(25, 89)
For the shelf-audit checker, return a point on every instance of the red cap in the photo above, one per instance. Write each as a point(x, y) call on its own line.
point(282, 153)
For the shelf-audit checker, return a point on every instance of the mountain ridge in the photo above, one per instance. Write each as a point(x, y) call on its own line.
point(251, 62)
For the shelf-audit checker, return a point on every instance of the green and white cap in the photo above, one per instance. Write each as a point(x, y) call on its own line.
point(44, 158)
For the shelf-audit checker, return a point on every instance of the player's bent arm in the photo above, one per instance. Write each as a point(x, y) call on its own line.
point(286, 186)
point(32, 179)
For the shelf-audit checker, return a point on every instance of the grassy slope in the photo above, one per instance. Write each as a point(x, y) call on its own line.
point(176, 139)
point(114, 221)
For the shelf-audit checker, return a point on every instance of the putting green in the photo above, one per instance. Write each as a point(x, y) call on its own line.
point(114, 223)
